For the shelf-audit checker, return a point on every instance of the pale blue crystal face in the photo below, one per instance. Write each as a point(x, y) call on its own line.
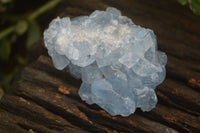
point(117, 60)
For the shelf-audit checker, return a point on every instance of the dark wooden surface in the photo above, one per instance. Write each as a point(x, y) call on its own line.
point(45, 100)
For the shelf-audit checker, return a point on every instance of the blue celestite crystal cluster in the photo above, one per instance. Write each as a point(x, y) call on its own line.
point(117, 60)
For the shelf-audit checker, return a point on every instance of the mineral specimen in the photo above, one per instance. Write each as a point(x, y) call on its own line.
point(117, 60)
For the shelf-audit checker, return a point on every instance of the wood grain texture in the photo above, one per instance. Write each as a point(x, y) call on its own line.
point(45, 100)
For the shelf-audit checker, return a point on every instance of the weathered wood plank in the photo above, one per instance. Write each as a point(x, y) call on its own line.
point(16, 124)
point(31, 111)
point(181, 95)
point(45, 100)
point(178, 70)
point(174, 118)
point(39, 85)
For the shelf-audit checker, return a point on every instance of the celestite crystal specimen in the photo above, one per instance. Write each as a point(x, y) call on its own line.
point(117, 60)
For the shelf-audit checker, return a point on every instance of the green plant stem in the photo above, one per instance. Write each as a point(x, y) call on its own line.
point(6, 32)
point(43, 9)
point(32, 16)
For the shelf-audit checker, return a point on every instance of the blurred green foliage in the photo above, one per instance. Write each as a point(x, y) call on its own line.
point(18, 32)
point(193, 4)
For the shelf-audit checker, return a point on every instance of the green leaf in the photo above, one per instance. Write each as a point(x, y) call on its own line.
point(33, 34)
point(195, 6)
point(5, 1)
point(21, 60)
point(183, 2)
point(13, 38)
point(1, 93)
point(4, 49)
point(6, 80)
point(21, 27)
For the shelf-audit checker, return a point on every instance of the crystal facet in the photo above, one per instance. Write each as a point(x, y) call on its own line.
point(117, 60)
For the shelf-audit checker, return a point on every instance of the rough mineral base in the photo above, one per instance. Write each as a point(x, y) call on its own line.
point(117, 60)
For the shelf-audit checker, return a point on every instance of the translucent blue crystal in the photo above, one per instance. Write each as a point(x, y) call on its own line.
point(117, 60)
